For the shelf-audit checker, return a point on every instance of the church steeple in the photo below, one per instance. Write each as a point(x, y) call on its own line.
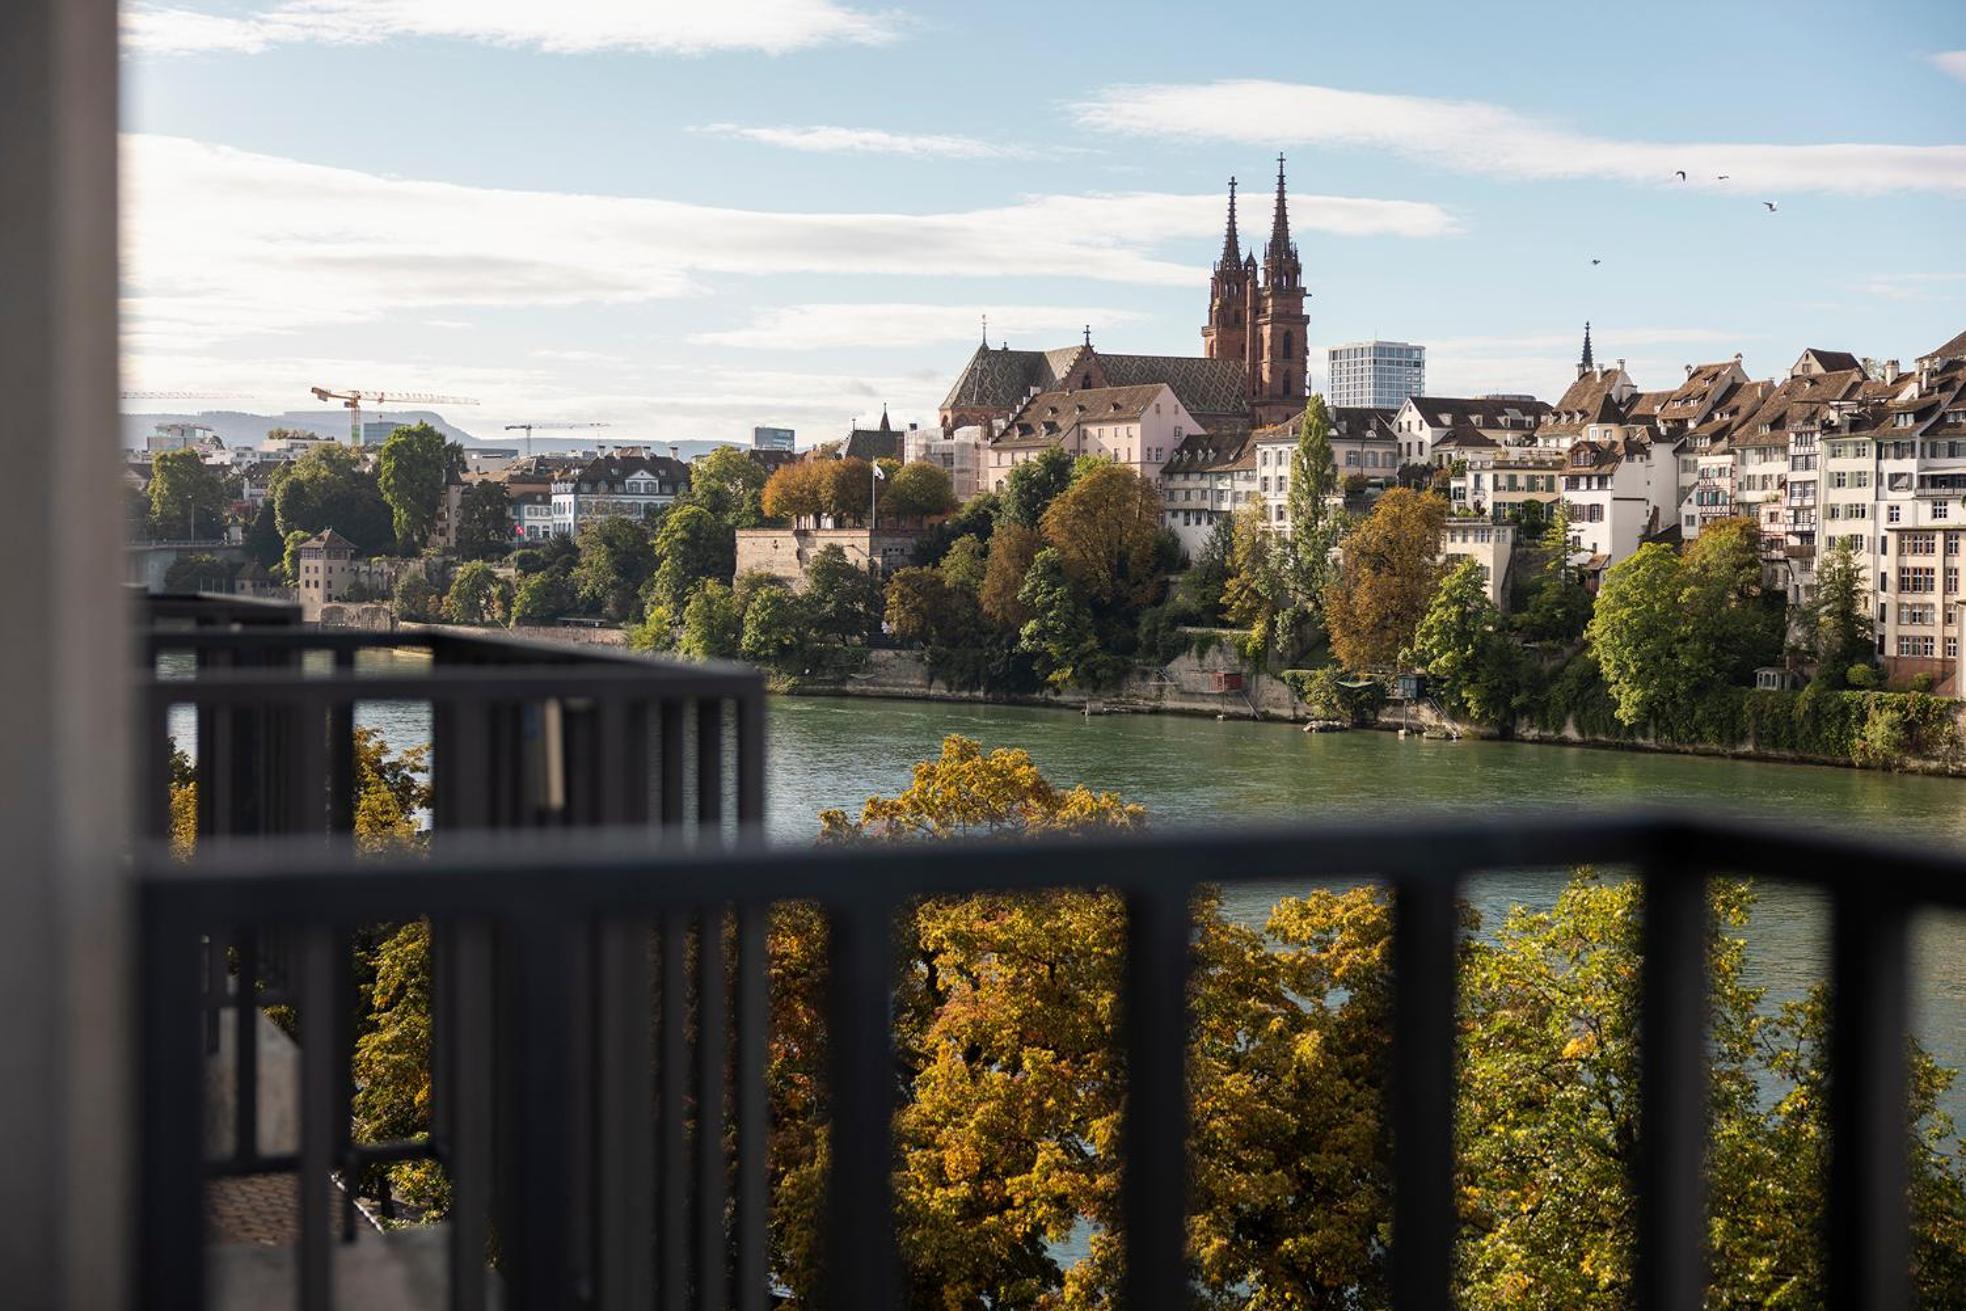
point(1280, 266)
point(1586, 364)
point(1231, 243)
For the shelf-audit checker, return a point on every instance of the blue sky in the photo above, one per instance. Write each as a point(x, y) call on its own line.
point(688, 219)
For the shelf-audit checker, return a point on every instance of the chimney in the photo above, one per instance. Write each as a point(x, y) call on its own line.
point(1890, 370)
point(1689, 370)
point(1621, 366)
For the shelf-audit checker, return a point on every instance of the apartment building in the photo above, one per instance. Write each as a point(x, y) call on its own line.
point(629, 484)
point(1489, 545)
point(1205, 481)
point(1423, 422)
point(1139, 426)
point(1362, 445)
point(1618, 493)
point(1496, 483)
point(1375, 374)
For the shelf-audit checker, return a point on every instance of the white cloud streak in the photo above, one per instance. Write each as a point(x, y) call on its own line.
point(220, 243)
point(824, 140)
point(887, 326)
point(665, 27)
point(1952, 63)
point(1475, 137)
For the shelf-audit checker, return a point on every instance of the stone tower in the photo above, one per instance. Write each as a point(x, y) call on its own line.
point(1226, 334)
point(1281, 354)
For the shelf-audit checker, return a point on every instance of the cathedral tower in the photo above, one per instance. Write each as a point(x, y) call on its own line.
point(1226, 334)
point(1282, 355)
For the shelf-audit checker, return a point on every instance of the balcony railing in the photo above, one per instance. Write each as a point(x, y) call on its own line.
point(600, 997)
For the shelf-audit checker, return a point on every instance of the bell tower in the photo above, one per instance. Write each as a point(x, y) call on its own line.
point(1226, 334)
point(1280, 377)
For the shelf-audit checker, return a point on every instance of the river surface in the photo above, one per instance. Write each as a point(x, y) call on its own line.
point(834, 752)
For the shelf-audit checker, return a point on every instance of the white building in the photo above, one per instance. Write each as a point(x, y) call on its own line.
point(1139, 427)
point(1497, 482)
point(1489, 545)
point(1424, 421)
point(1618, 493)
point(633, 486)
point(961, 453)
point(1205, 481)
point(1362, 445)
point(1375, 374)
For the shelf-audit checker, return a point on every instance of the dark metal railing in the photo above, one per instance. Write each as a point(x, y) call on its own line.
point(606, 1206)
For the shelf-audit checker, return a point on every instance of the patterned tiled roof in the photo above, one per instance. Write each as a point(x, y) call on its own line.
point(1001, 379)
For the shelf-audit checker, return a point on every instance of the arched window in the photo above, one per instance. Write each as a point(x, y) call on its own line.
point(1286, 345)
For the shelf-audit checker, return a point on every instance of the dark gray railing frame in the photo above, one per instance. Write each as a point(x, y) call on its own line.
point(538, 887)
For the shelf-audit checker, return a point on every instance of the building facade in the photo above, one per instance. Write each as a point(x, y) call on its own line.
point(773, 439)
point(1140, 427)
point(1378, 374)
point(1256, 315)
point(632, 486)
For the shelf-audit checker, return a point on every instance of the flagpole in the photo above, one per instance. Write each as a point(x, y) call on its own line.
point(873, 499)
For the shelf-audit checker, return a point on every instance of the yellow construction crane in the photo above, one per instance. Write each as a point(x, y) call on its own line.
point(528, 427)
point(355, 398)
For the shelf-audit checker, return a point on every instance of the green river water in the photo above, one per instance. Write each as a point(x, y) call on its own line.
point(834, 752)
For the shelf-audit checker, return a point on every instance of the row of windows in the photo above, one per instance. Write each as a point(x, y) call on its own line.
point(1922, 646)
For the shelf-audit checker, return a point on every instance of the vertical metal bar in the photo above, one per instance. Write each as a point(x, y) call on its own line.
point(750, 763)
point(1670, 1272)
point(343, 956)
point(624, 1203)
point(538, 1252)
point(712, 1260)
point(172, 1239)
point(1868, 1209)
point(1154, 1177)
point(674, 1072)
point(245, 1050)
point(468, 959)
point(709, 769)
point(752, 1018)
point(156, 771)
point(672, 764)
point(318, 1113)
point(306, 809)
point(214, 999)
point(861, 1266)
point(341, 749)
point(1422, 1093)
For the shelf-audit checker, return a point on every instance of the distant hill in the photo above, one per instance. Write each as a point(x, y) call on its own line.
point(239, 428)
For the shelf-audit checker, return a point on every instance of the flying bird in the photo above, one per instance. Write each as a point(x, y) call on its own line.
point(1681, 173)
point(1770, 204)
point(1722, 177)
point(1597, 261)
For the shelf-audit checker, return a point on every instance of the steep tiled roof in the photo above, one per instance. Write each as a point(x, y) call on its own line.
point(1201, 453)
point(1052, 414)
point(1485, 412)
point(1831, 361)
point(1952, 350)
point(329, 540)
point(1001, 379)
point(1348, 423)
point(872, 444)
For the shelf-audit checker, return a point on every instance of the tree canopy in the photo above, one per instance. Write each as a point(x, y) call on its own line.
point(690, 546)
point(411, 473)
point(918, 489)
point(327, 487)
point(484, 521)
point(187, 497)
point(616, 559)
point(1032, 486)
point(1106, 529)
point(729, 485)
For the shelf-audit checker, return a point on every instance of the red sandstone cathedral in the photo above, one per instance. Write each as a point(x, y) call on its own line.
point(1252, 371)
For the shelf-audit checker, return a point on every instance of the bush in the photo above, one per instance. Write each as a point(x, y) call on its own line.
point(1578, 694)
point(415, 600)
point(1327, 694)
point(1921, 682)
point(1860, 677)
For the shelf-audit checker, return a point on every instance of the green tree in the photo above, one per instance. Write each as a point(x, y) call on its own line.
point(1315, 524)
point(1464, 646)
point(1835, 627)
point(484, 521)
point(263, 545)
point(777, 628)
point(187, 497)
point(849, 488)
point(976, 517)
point(200, 573)
point(712, 623)
point(1638, 632)
point(1032, 486)
point(842, 600)
point(1206, 581)
point(691, 545)
point(1389, 563)
point(410, 474)
point(327, 487)
point(477, 596)
point(918, 489)
point(966, 565)
point(729, 485)
point(290, 557)
point(1060, 631)
point(920, 605)
point(798, 491)
point(415, 599)
point(543, 597)
point(1255, 591)
point(616, 559)
point(1739, 623)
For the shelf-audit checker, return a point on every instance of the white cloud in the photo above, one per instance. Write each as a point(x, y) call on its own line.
point(681, 27)
point(220, 242)
point(1914, 286)
point(814, 327)
point(869, 141)
point(1952, 63)
point(1476, 137)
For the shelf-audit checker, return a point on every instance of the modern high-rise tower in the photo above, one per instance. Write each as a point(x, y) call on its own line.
point(1375, 374)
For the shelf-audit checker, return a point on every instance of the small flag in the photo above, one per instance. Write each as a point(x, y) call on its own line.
point(880, 474)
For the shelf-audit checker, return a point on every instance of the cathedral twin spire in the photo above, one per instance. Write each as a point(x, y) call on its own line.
point(1280, 256)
